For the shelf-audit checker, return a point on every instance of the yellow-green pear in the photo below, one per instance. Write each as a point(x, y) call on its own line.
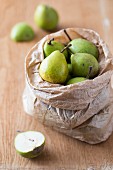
point(54, 68)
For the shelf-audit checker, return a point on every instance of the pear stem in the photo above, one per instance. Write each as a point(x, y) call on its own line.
point(50, 41)
point(90, 69)
point(67, 46)
point(67, 35)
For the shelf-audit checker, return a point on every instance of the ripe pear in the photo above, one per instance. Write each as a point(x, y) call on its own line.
point(76, 80)
point(53, 45)
point(54, 68)
point(81, 64)
point(46, 17)
point(22, 32)
point(29, 144)
point(80, 45)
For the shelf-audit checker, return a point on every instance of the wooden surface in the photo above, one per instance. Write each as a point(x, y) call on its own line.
point(61, 152)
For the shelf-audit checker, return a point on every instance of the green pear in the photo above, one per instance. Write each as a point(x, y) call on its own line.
point(76, 80)
point(69, 73)
point(46, 17)
point(22, 32)
point(84, 65)
point(68, 78)
point(52, 45)
point(70, 68)
point(29, 144)
point(80, 45)
point(54, 68)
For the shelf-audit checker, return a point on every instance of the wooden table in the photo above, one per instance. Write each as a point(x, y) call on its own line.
point(61, 152)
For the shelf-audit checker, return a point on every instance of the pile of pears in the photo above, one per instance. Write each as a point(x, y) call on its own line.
point(67, 64)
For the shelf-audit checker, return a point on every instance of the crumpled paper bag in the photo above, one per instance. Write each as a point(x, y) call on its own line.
point(83, 111)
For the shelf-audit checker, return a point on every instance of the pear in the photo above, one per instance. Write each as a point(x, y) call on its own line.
point(53, 45)
point(46, 17)
point(80, 45)
point(29, 144)
point(54, 68)
point(76, 80)
point(69, 73)
point(84, 65)
point(22, 32)
point(68, 78)
point(70, 68)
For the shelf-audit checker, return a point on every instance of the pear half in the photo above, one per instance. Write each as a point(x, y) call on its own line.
point(29, 144)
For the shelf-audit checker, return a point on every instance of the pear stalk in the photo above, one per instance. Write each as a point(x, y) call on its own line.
point(50, 41)
point(67, 35)
point(66, 47)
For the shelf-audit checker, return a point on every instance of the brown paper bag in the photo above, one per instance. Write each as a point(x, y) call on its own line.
point(84, 110)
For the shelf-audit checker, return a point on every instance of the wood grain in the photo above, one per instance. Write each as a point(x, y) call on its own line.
point(61, 152)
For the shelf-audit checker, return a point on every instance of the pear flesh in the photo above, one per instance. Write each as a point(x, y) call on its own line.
point(29, 144)
point(54, 68)
point(81, 64)
point(80, 45)
point(53, 46)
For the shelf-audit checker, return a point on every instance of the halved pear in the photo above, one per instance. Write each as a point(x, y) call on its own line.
point(29, 144)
